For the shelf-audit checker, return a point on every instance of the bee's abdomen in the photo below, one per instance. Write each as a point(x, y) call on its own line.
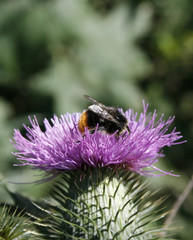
point(89, 120)
point(82, 123)
point(93, 119)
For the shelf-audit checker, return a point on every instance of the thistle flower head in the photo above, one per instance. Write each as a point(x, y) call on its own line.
point(61, 147)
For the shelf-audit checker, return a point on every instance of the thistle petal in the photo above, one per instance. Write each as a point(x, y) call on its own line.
point(61, 147)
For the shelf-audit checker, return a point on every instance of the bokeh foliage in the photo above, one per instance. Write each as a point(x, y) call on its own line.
point(117, 51)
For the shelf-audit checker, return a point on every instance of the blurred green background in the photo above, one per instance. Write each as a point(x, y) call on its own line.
point(117, 51)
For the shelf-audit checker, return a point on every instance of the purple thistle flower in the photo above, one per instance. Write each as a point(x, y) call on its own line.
point(61, 147)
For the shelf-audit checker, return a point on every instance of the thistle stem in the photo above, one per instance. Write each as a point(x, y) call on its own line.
point(178, 203)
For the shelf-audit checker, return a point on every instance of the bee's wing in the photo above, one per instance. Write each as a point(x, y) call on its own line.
point(92, 100)
point(102, 112)
point(101, 109)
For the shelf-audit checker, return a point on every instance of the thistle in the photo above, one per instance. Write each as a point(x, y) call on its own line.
point(99, 194)
point(13, 225)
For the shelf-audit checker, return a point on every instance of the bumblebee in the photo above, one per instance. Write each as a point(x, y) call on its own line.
point(106, 119)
